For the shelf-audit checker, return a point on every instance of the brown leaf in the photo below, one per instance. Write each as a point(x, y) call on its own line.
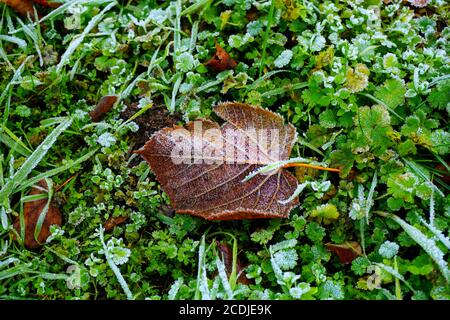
point(103, 106)
point(215, 191)
point(46, 3)
point(226, 254)
point(221, 60)
point(444, 174)
point(25, 7)
point(346, 252)
point(417, 3)
point(114, 221)
point(31, 211)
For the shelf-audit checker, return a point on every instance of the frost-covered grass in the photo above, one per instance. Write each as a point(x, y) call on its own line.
point(366, 83)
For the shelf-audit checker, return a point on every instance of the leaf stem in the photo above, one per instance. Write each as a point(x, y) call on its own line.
point(310, 166)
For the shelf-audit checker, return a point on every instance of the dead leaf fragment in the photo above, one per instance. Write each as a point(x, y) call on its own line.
point(25, 7)
point(32, 211)
point(215, 190)
point(114, 221)
point(103, 106)
point(346, 252)
point(221, 60)
point(226, 254)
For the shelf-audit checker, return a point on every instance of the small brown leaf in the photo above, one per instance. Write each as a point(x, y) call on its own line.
point(346, 252)
point(444, 174)
point(32, 211)
point(418, 3)
point(221, 60)
point(226, 254)
point(114, 221)
point(25, 7)
point(209, 185)
point(46, 3)
point(103, 106)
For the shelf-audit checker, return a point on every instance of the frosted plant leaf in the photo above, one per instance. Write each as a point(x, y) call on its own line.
point(320, 187)
point(4, 218)
point(276, 269)
point(390, 61)
point(106, 139)
point(357, 79)
point(286, 244)
point(298, 291)
point(427, 244)
point(8, 261)
point(56, 232)
point(204, 290)
point(133, 126)
point(254, 27)
point(357, 208)
point(118, 253)
point(290, 278)
point(112, 243)
point(143, 102)
point(437, 233)
point(318, 42)
point(185, 62)
point(224, 278)
point(388, 249)
point(369, 201)
point(80, 115)
point(158, 16)
point(286, 259)
point(331, 291)
point(395, 273)
point(186, 88)
point(237, 41)
point(174, 288)
point(283, 59)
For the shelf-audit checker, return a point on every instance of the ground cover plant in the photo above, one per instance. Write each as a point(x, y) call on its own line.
point(84, 84)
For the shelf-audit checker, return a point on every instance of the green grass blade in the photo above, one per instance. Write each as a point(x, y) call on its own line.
point(33, 160)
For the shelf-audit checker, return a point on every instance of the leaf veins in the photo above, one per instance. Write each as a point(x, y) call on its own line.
point(215, 191)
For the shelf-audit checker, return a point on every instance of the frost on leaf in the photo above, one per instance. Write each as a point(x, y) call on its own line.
point(357, 79)
point(32, 211)
point(283, 59)
point(216, 191)
point(388, 249)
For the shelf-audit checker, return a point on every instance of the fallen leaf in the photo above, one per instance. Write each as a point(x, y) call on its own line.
point(32, 211)
point(346, 252)
point(103, 106)
point(226, 254)
point(418, 3)
point(114, 221)
point(25, 7)
point(209, 184)
point(47, 3)
point(221, 60)
point(443, 174)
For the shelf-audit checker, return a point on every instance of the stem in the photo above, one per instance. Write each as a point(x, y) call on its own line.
point(266, 36)
point(289, 165)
